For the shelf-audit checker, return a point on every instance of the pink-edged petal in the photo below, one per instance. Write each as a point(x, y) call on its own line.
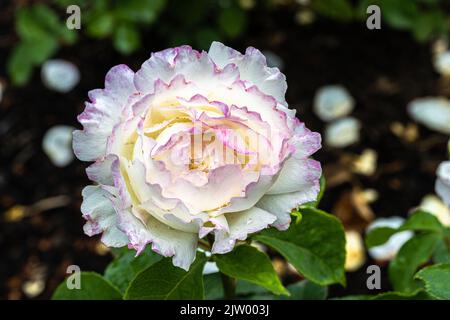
point(100, 171)
point(103, 113)
point(305, 141)
point(223, 184)
point(252, 68)
point(253, 193)
point(196, 66)
point(241, 224)
point(98, 210)
point(297, 175)
point(164, 240)
point(281, 205)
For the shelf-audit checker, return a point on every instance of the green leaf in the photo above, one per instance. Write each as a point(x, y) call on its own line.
point(248, 263)
point(41, 50)
point(418, 221)
point(378, 236)
point(28, 27)
point(93, 287)
point(101, 26)
point(442, 252)
point(205, 36)
point(422, 221)
point(213, 286)
point(306, 290)
point(247, 288)
point(139, 11)
point(315, 246)
point(232, 21)
point(399, 14)
point(415, 252)
point(437, 280)
point(124, 269)
point(32, 24)
point(416, 295)
point(164, 281)
point(19, 65)
point(126, 39)
point(338, 10)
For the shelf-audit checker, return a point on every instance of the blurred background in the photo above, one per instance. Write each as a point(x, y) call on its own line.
point(362, 89)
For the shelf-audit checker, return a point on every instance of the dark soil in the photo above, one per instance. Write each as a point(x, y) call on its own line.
point(383, 70)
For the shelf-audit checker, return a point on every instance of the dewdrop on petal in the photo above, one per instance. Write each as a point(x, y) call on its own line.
point(60, 75)
point(342, 133)
point(332, 102)
point(432, 112)
point(433, 205)
point(389, 249)
point(57, 144)
point(356, 255)
point(442, 63)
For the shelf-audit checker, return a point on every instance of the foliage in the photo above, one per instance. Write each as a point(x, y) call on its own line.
point(314, 244)
point(42, 30)
point(429, 243)
point(425, 19)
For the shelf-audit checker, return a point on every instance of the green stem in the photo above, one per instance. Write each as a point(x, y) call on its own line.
point(229, 286)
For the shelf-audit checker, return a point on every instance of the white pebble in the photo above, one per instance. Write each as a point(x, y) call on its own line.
point(342, 133)
point(388, 250)
point(443, 182)
point(356, 256)
point(433, 205)
point(57, 144)
point(60, 75)
point(332, 102)
point(210, 267)
point(442, 63)
point(432, 112)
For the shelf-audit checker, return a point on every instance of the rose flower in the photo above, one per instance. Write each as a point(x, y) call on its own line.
point(194, 143)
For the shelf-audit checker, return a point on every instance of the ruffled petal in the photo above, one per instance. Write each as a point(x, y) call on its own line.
point(297, 175)
point(252, 68)
point(241, 224)
point(164, 240)
point(103, 113)
point(97, 209)
point(281, 205)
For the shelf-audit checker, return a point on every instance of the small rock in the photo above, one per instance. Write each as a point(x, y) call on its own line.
point(366, 163)
point(332, 102)
point(356, 256)
point(33, 288)
point(388, 250)
point(210, 267)
point(432, 204)
point(342, 133)
point(57, 144)
point(439, 46)
point(432, 112)
point(442, 63)
point(305, 17)
point(443, 182)
point(60, 75)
